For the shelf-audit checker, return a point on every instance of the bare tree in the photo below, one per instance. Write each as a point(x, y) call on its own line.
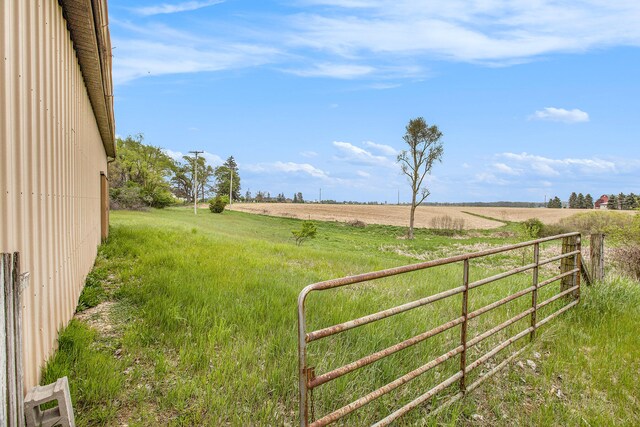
point(424, 149)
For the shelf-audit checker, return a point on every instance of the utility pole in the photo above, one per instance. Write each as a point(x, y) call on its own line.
point(231, 187)
point(195, 182)
point(320, 198)
point(398, 196)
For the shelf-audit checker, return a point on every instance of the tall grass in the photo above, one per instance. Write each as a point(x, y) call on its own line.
point(203, 329)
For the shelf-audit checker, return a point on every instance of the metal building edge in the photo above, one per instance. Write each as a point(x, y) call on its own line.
point(88, 24)
point(56, 133)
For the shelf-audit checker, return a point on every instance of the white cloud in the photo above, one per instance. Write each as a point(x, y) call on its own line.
point(175, 155)
point(174, 8)
point(501, 167)
point(382, 148)
point(384, 86)
point(308, 154)
point(340, 71)
point(379, 39)
point(211, 159)
point(553, 114)
point(287, 167)
point(138, 58)
point(549, 167)
point(359, 155)
point(491, 32)
point(363, 174)
point(489, 178)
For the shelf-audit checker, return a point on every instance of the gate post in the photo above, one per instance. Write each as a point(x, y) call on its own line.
point(569, 244)
point(463, 326)
point(597, 256)
point(303, 378)
point(567, 263)
point(534, 293)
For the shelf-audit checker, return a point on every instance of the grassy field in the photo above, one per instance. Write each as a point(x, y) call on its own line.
point(192, 321)
point(473, 217)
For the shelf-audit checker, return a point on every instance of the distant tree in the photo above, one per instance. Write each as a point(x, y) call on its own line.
point(281, 198)
point(223, 175)
point(573, 201)
point(299, 197)
point(259, 197)
point(621, 199)
point(555, 203)
point(247, 196)
point(580, 201)
point(295, 197)
point(613, 202)
point(424, 149)
point(588, 201)
point(182, 180)
point(632, 201)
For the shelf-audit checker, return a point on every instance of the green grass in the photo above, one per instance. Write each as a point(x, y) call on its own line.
point(203, 328)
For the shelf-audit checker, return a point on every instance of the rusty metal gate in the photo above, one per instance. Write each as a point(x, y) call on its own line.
point(570, 261)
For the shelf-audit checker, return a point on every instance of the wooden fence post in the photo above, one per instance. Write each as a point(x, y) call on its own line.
point(597, 257)
point(569, 244)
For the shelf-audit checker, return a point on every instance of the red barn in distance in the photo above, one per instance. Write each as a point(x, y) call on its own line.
point(602, 202)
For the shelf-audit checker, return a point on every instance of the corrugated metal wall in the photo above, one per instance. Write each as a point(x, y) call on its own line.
point(51, 155)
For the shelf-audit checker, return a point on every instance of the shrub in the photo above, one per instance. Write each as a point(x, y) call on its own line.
point(612, 223)
point(133, 196)
point(627, 256)
point(217, 204)
point(532, 227)
point(308, 231)
point(128, 196)
point(445, 222)
point(357, 223)
point(162, 199)
point(552, 230)
point(627, 259)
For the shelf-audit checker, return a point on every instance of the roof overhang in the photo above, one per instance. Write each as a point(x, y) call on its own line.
point(88, 23)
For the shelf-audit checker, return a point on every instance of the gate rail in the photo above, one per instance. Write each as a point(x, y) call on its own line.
point(570, 286)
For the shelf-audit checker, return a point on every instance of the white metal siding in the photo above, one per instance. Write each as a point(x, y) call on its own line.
point(51, 155)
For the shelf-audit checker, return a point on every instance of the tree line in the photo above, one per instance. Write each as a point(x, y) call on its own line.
point(266, 197)
point(143, 175)
point(579, 201)
point(623, 201)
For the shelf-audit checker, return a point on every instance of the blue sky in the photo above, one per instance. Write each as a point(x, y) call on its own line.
point(535, 98)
